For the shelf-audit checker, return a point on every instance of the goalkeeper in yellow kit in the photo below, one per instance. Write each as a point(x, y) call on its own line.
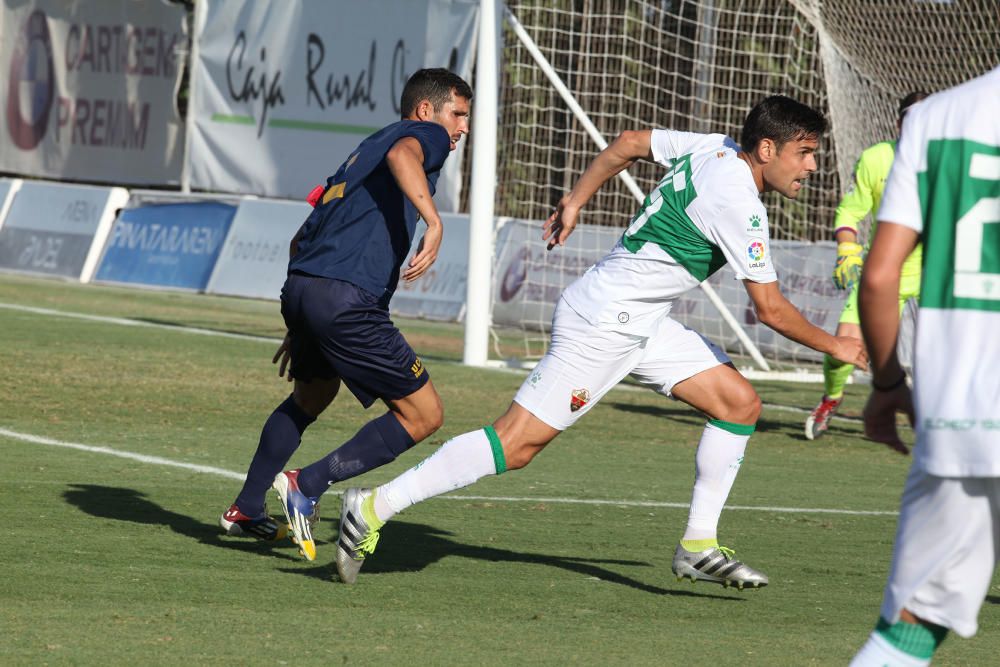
point(862, 198)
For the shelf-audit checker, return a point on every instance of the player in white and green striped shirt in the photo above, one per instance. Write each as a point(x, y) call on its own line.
point(615, 321)
point(944, 190)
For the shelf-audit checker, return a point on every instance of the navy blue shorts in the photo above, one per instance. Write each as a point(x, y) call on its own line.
point(340, 330)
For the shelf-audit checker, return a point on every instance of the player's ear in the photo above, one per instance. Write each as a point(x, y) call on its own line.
point(766, 150)
point(424, 110)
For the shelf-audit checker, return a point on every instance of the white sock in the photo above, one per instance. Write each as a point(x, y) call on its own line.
point(877, 652)
point(457, 463)
point(717, 462)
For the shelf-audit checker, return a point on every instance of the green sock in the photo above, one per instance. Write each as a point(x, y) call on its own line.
point(835, 374)
point(913, 639)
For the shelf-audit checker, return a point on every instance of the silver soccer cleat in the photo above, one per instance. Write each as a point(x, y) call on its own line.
point(357, 539)
point(717, 565)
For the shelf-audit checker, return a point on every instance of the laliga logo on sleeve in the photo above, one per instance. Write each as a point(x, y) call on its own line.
point(755, 255)
point(31, 83)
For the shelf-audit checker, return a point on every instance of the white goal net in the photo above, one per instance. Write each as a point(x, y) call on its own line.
point(700, 65)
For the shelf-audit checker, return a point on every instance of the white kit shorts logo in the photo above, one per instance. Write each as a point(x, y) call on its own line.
point(756, 255)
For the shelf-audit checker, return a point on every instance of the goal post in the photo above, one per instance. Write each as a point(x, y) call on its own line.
point(629, 182)
point(569, 67)
point(481, 201)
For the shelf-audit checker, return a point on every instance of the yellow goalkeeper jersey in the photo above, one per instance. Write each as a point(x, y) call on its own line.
point(865, 196)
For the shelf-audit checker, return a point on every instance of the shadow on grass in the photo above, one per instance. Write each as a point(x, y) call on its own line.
point(108, 502)
point(405, 547)
point(411, 547)
point(993, 599)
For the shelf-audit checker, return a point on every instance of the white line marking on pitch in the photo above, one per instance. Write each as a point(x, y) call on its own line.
point(143, 458)
point(122, 321)
point(229, 474)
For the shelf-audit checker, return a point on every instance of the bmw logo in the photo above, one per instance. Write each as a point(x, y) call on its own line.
point(31, 84)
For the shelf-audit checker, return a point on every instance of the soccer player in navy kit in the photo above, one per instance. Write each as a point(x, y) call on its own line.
point(345, 264)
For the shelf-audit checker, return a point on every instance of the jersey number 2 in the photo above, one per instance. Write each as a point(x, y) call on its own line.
point(971, 279)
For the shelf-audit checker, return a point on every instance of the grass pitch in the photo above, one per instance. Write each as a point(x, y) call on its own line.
point(111, 560)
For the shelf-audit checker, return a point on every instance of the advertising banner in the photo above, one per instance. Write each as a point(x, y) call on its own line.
point(166, 245)
point(439, 294)
point(254, 260)
point(529, 279)
point(8, 188)
point(283, 92)
point(89, 90)
point(58, 230)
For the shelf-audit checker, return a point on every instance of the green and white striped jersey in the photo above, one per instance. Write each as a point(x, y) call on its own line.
point(945, 184)
point(705, 213)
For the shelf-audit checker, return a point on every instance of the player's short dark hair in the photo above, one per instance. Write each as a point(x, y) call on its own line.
point(434, 84)
point(780, 119)
point(909, 101)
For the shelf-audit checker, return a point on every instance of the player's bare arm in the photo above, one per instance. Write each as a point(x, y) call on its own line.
point(406, 163)
point(880, 326)
point(778, 313)
point(631, 145)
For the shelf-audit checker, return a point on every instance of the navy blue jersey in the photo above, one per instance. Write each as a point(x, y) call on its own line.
point(362, 228)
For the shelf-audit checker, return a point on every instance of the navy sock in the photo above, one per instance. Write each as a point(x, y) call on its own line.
point(378, 442)
point(279, 439)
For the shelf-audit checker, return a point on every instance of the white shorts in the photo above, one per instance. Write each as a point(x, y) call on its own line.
point(946, 550)
point(584, 362)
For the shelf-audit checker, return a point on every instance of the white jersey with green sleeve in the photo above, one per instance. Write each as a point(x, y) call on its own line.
point(705, 213)
point(945, 184)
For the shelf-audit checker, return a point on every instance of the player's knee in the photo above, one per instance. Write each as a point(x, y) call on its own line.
point(742, 406)
point(754, 407)
point(429, 420)
point(314, 397)
point(434, 419)
point(522, 436)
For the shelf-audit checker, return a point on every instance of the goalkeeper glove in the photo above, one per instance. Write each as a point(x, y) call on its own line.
point(847, 272)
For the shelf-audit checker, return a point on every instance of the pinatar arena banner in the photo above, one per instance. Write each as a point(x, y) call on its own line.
point(88, 90)
point(282, 92)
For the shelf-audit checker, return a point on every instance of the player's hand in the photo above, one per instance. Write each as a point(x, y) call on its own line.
point(560, 224)
point(284, 355)
point(427, 253)
point(851, 351)
point(847, 271)
point(880, 416)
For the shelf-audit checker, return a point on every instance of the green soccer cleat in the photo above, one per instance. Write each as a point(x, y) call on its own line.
point(717, 565)
point(358, 535)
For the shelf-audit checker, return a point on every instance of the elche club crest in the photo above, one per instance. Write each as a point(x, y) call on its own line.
point(578, 398)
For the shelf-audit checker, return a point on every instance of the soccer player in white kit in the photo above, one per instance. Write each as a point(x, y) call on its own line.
point(614, 321)
point(944, 189)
